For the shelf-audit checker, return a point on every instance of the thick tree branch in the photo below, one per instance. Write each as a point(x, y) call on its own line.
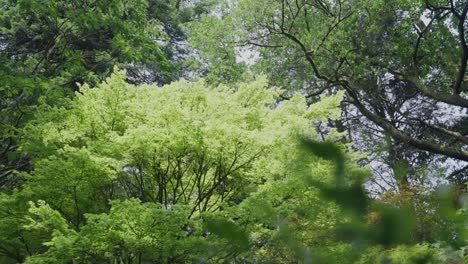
point(453, 99)
point(397, 134)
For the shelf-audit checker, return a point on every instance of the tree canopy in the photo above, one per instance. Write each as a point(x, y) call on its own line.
point(304, 131)
point(401, 63)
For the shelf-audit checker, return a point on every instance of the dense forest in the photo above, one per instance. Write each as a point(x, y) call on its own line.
point(233, 131)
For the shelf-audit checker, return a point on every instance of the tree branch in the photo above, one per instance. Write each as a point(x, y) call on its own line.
point(453, 99)
point(397, 134)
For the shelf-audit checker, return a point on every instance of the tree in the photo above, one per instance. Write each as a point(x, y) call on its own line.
point(221, 170)
point(401, 63)
point(206, 149)
point(48, 47)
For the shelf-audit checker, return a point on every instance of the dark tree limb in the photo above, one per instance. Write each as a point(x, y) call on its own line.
point(397, 134)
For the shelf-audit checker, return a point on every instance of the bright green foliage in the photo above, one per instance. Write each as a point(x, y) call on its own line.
point(130, 233)
point(187, 152)
point(183, 143)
